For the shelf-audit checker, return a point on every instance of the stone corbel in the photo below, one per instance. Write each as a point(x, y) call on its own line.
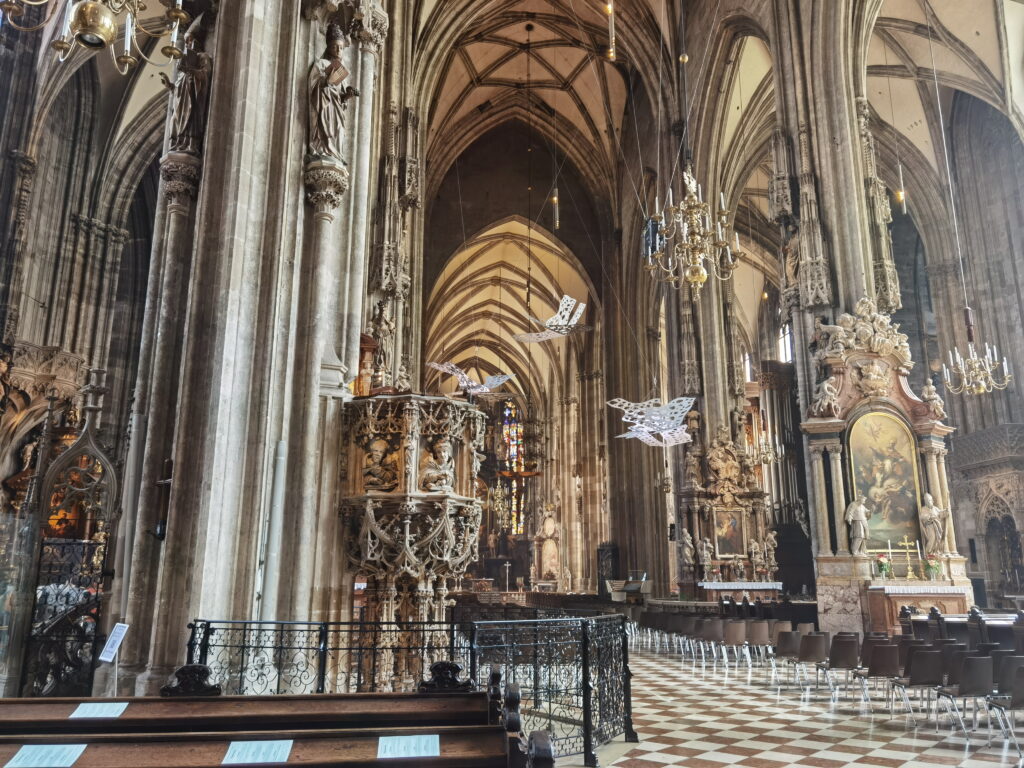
point(326, 184)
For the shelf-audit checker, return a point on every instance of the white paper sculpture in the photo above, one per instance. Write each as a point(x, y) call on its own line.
point(656, 424)
point(560, 324)
point(467, 384)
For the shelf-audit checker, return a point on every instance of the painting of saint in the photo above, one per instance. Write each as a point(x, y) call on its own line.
point(883, 463)
point(729, 533)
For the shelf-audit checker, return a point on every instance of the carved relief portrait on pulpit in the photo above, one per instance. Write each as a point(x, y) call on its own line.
point(883, 459)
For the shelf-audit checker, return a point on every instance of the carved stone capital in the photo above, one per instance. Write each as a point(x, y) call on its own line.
point(372, 28)
point(326, 183)
point(817, 449)
point(179, 174)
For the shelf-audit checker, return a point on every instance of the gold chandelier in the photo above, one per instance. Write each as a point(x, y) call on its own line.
point(681, 247)
point(975, 374)
point(95, 24)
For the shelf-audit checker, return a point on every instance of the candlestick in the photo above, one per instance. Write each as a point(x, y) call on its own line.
point(918, 542)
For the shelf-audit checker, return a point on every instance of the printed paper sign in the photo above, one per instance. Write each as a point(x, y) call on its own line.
point(100, 709)
point(46, 756)
point(113, 642)
point(248, 752)
point(409, 746)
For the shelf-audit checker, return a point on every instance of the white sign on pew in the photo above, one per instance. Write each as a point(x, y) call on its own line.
point(248, 752)
point(424, 745)
point(46, 756)
point(99, 709)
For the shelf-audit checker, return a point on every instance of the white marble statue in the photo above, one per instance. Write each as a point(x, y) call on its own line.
point(687, 549)
point(936, 406)
point(826, 399)
point(757, 560)
point(857, 518)
point(933, 527)
point(707, 556)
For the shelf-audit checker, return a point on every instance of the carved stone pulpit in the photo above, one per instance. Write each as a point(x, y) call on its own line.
point(409, 467)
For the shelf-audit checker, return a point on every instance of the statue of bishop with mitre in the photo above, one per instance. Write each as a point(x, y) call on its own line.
point(327, 97)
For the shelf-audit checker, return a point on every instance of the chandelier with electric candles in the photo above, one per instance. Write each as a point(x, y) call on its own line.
point(682, 248)
point(95, 24)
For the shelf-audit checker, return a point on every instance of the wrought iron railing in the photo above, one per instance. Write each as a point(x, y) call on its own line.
point(573, 672)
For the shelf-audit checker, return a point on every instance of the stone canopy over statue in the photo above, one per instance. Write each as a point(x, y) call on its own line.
point(327, 97)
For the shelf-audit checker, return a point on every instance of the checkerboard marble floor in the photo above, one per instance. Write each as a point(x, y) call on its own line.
point(699, 716)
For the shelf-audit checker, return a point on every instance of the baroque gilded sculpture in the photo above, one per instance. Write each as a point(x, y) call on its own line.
point(327, 97)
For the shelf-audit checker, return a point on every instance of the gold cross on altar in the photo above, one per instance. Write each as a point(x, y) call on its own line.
point(906, 545)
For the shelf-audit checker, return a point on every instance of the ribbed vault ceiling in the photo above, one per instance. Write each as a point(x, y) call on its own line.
point(486, 294)
point(562, 77)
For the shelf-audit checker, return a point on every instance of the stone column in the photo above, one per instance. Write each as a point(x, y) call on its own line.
point(820, 497)
point(371, 38)
point(13, 262)
point(835, 451)
point(326, 183)
point(946, 504)
point(172, 249)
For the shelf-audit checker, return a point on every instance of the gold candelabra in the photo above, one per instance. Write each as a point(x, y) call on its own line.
point(95, 24)
point(975, 374)
point(682, 247)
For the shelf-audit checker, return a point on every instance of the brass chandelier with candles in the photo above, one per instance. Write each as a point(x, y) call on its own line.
point(95, 24)
point(681, 247)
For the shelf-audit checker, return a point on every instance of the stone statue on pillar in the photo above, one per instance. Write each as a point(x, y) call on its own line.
point(936, 406)
point(327, 98)
point(933, 526)
point(190, 92)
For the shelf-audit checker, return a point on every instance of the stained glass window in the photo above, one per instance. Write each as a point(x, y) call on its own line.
point(512, 435)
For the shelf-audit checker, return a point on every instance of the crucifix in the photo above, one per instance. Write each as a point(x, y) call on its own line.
point(508, 566)
point(906, 545)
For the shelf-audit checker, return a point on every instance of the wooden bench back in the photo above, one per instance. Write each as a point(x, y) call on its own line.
point(481, 746)
point(250, 713)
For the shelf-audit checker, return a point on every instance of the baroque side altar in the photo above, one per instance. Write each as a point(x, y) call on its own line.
point(882, 493)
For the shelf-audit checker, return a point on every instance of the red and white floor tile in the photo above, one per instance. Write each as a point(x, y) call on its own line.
point(699, 716)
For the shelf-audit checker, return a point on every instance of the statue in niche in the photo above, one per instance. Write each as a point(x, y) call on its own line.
point(691, 469)
point(382, 329)
point(757, 561)
point(380, 470)
point(933, 527)
point(687, 549)
point(857, 518)
point(736, 419)
point(437, 467)
point(826, 399)
point(771, 543)
point(707, 556)
point(403, 382)
point(739, 570)
point(693, 424)
point(28, 452)
point(327, 98)
point(936, 406)
point(791, 260)
point(190, 92)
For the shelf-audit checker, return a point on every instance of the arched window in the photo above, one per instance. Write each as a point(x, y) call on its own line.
point(786, 344)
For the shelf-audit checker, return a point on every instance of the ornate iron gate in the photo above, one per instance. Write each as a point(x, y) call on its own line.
point(76, 510)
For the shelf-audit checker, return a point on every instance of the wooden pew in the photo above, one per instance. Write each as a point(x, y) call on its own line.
point(252, 713)
point(475, 728)
point(483, 746)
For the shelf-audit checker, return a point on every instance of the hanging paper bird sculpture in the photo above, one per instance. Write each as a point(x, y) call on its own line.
point(467, 384)
point(656, 424)
point(560, 324)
